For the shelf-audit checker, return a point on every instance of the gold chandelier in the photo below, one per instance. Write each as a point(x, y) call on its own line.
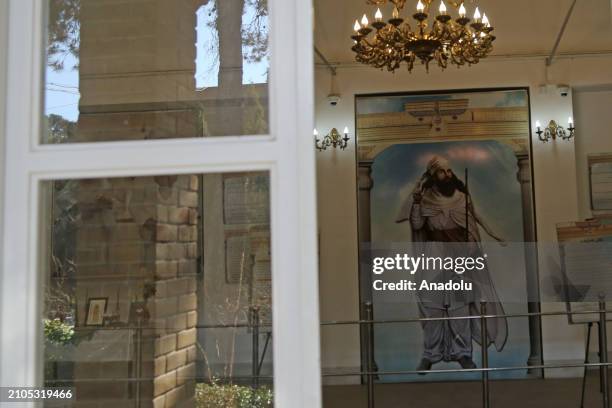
point(458, 41)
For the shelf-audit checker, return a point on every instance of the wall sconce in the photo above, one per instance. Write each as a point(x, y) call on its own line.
point(554, 131)
point(333, 139)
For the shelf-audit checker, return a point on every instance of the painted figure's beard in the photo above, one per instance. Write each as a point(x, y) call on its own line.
point(446, 187)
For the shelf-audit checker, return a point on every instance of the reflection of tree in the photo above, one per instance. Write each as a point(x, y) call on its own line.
point(63, 32)
point(60, 130)
point(255, 32)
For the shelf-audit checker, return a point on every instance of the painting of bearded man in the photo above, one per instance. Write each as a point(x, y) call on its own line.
point(444, 223)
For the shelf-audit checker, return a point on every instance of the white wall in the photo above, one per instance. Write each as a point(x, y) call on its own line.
point(554, 170)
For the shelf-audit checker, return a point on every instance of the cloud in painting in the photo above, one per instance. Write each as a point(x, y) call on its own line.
point(473, 154)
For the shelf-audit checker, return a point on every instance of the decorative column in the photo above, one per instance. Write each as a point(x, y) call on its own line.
point(531, 261)
point(365, 184)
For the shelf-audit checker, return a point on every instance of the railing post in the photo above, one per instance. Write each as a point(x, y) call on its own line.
point(603, 352)
point(586, 361)
point(255, 345)
point(369, 315)
point(140, 314)
point(484, 351)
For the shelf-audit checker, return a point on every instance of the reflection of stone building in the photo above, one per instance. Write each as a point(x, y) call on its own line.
point(137, 238)
point(450, 120)
point(137, 68)
point(137, 241)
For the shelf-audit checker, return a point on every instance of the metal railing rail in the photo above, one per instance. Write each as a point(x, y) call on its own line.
point(370, 373)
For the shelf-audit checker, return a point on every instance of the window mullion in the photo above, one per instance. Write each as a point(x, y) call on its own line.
point(148, 157)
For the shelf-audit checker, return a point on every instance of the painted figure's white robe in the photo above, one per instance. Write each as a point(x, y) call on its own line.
point(438, 230)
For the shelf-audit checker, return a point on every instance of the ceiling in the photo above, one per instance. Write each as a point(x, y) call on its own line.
point(522, 27)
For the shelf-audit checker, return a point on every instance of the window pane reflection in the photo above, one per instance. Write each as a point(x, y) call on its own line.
point(136, 70)
point(159, 291)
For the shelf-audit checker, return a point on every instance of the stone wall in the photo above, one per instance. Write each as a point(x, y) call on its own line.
point(137, 241)
point(175, 300)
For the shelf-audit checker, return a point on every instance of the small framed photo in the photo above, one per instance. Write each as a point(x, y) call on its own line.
point(96, 308)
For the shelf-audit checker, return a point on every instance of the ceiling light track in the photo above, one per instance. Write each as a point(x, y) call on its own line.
point(328, 64)
point(553, 53)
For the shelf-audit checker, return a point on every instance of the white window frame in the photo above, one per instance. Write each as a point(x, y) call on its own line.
point(287, 154)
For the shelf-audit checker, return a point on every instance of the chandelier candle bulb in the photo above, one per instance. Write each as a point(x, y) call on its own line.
point(442, 8)
point(462, 11)
point(364, 21)
point(485, 20)
point(420, 6)
point(357, 27)
point(477, 15)
point(395, 13)
point(379, 24)
point(570, 121)
point(378, 16)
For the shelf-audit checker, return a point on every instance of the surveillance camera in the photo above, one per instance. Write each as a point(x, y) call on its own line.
point(564, 90)
point(333, 99)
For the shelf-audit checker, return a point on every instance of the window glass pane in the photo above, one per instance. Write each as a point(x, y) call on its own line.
point(158, 290)
point(153, 69)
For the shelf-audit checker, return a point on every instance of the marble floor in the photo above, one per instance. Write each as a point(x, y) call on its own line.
point(536, 393)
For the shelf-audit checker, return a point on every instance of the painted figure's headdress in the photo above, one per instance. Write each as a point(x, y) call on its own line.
point(437, 163)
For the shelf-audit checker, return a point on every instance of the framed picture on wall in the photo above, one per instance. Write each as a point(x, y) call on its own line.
point(96, 308)
point(430, 153)
point(600, 182)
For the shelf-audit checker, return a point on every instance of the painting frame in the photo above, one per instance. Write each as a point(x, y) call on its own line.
point(91, 317)
point(365, 183)
point(594, 160)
